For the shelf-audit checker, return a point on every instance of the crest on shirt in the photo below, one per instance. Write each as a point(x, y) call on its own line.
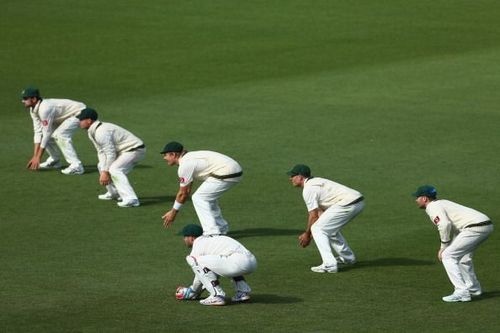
point(45, 122)
point(436, 220)
point(182, 180)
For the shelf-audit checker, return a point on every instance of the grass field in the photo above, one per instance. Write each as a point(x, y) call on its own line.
point(382, 96)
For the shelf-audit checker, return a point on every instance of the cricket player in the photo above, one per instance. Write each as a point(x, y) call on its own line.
point(469, 227)
point(218, 172)
point(54, 124)
point(331, 206)
point(118, 152)
point(214, 256)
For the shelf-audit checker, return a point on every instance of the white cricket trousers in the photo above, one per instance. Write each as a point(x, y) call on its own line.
point(235, 264)
point(205, 202)
point(327, 235)
point(62, 138)
point(457, 258)
point(119, 169)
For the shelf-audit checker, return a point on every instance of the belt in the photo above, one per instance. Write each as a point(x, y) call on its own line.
point(233, 175)
point(138, 147)
point(356, 201)
point(479, 224)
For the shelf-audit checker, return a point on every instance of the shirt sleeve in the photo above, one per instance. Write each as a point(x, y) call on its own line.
point(186, 172)
point(107, 151)
point(47, 115)
point(439, 217)
point(37, 128)
point(311, 196)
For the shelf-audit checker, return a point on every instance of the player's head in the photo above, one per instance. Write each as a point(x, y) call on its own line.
point(425, 194)
point(30, 96)
point(87, 117)
point(298, 174)
point(172, 152)
point(190, 233)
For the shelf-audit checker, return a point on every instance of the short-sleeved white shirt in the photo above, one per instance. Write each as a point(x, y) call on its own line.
point(199, 165)
point(323, 193)
point(448, 216)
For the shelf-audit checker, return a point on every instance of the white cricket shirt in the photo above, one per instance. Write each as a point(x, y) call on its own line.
point(217, 245)
point(199, 165)
point(111, 140)
point(50, 113)
point(448, 215)
point(323, 193)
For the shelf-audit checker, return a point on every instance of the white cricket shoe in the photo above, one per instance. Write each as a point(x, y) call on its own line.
point(475, 293)
point(457, 297)
point(241, 297)
point(50, 164)
point(344, 262)
point(130, 203)
point(213, 300)
point(324, 269)
point(73, 170)
point(109, 196)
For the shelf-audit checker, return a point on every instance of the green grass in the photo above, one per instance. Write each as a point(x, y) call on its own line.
point(381, 96)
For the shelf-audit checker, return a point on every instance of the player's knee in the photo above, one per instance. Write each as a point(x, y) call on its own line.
point(315, 228)
point(191, 261)
point(449, 255)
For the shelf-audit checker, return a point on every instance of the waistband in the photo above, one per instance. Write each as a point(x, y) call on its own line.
point(233, 175)
point(479, 224)
point(138, 147)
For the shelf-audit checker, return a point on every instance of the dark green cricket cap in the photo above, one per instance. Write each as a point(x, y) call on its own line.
point(191, 230)
point(30, 92)
point(300, 169)
point(87, 113)
point(425, 190)
point(172, 147)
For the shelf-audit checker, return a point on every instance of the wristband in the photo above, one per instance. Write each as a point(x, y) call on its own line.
point(177, 205)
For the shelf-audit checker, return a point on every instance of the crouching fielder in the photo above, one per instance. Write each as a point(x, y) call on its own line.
point(331, 206)
point(211, 257)
point(470, 228)
point(118, 151)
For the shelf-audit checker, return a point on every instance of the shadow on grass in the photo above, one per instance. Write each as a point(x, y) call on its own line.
point(274, 299)
point(383, 262)
point(258, 232)
point(156, 200)
point(90, 168)
point(488, 294)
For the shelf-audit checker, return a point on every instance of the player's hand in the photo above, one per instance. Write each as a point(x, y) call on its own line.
point(305, 239)
point(169, 217)
point(105, 178)
point(33, 164)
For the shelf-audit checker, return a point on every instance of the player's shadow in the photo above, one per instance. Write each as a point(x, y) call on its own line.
point(259, 232)
point(91, 168)
point(274, 299)
point(388, 262)
point(487, 294)
point(156, 200)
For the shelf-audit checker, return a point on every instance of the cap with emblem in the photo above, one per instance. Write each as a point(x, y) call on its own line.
point(87, 113)
point(30, 92)
point(425, 191)
point(172, 147)
point(300, 169)
point(191, 230)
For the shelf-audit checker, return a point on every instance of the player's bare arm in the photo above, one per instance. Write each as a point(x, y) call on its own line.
point(180, 199)
point(305, 237)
